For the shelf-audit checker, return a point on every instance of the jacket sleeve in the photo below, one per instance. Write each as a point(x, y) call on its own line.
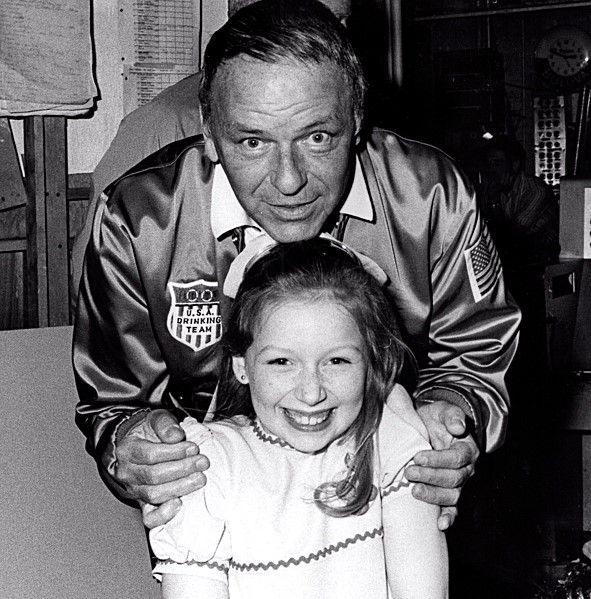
point(118, 366)
point(473, 330)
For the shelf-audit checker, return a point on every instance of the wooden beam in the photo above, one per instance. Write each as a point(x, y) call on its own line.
point(56, 218)
point(36, 288)
point(47, 221)
point(12, 276)
point(9, 246)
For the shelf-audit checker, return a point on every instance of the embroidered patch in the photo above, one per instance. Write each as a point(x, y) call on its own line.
point(483, 264)
point(194, 317)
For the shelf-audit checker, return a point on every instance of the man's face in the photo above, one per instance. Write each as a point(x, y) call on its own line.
point(284, 133)
point(498, 166)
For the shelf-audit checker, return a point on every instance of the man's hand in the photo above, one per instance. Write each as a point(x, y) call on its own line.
point(441, 472)
point(156, 465)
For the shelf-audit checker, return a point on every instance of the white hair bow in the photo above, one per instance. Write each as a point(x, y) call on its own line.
point(262, 242)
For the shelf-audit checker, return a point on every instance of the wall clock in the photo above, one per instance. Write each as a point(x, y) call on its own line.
point(563, 57)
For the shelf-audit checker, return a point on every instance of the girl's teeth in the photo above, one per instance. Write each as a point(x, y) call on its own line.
point(309, 420)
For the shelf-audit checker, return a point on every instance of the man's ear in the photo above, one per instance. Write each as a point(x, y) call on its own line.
point(239, 368)
point(210, 150)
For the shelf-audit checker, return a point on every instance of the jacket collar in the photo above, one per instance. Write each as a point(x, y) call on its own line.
point(227, 213)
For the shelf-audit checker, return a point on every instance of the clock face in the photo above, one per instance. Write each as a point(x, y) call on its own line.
point(563, 56)
point(567, 56)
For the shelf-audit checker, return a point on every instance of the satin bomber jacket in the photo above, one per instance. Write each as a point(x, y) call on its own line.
point(151, 309)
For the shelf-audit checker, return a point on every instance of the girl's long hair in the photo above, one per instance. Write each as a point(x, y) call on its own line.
point(308, 271)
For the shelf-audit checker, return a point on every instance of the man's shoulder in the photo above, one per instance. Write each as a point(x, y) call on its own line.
point(163, 184)
point(383, 141)
point(163, 164)
point(173, 110)
point(175, 100)
point(183, 92)
point(415, 165)
point(172, 115)
point(541, 185)
point(531, 190)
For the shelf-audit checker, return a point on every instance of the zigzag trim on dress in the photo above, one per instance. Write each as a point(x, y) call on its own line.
point(267, 438)
point(211, 565)
point(395, 487)
point(306, 559)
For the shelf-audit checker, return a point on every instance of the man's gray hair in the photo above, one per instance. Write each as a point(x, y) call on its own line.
point(272, 30)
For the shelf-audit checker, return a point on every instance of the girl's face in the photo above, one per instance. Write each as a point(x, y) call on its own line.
point(306, 368)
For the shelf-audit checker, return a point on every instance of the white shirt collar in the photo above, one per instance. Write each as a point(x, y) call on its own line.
point(227, 212)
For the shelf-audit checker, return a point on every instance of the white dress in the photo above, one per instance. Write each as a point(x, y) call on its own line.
point(255, 525)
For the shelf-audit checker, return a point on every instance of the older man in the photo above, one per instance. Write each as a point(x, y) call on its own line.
point(172, 115)
point(284, 154)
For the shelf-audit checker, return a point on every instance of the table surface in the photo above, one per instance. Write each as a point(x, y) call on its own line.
point(63, 533)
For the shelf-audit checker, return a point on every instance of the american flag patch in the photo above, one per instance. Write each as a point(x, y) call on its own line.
point(483, 264)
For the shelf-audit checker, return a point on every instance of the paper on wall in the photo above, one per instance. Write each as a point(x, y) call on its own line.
point(46, 60)
point(160, 45)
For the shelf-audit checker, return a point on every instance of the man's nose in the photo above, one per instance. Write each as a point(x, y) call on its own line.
point(311, 389)
point(289, 175)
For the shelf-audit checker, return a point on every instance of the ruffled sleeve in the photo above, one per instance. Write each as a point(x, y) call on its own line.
point(401, 435)
point(196, 541)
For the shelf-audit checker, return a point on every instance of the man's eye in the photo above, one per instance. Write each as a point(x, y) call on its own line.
point(252, 143)
point(320, 138)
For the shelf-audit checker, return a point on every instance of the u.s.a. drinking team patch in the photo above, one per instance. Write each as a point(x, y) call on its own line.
point(194, 317)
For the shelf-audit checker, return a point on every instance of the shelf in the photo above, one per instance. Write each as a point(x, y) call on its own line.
point(491, 12)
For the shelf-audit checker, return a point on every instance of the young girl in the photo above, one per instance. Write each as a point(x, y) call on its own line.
point(306, 496)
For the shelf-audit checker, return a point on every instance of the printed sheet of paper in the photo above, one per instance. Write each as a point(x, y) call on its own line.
point(160, 42)
point(46, 58)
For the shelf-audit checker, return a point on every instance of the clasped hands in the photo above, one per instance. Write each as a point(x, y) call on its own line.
point(157, 466)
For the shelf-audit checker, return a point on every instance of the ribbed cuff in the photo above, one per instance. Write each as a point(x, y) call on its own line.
point(474, 425)
point(128, 422)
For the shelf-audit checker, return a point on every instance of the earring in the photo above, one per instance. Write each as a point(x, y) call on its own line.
point(243, 377)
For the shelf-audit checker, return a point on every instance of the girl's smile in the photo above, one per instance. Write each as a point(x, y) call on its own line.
point(306, 368)
point(308, 421)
